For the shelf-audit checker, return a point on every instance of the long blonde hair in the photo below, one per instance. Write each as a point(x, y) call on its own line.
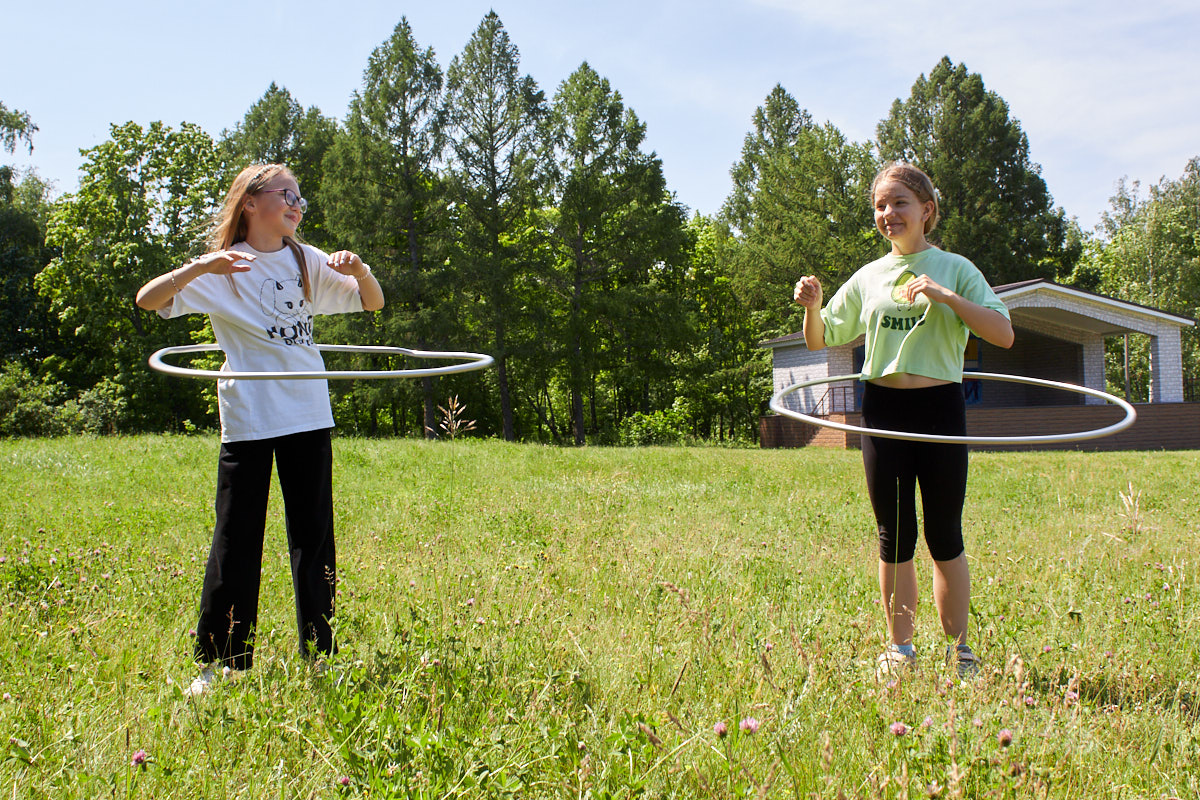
point(230, 226)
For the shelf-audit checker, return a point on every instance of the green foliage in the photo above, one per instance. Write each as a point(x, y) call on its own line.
point(15, 126)
point(277, 130)
point(386, 201)
point(995, 207)
point(27, 331)
point(799, 206)
point(543, 234)
point(1150, 254)
point(29, 407)
point(32, 406)
point(665, 426)
point(492, 118)
point(722, 375)
point(618, 239)
point(143, 199)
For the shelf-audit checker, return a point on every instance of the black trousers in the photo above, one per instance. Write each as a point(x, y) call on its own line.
point(894, 467)
point(229, 600)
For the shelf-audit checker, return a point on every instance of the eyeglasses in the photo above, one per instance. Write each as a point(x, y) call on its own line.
point(289, 197)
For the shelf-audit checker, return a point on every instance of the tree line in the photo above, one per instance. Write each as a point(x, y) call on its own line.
point(538, 229)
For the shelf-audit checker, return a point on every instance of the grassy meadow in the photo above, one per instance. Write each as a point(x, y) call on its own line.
point(520, 621)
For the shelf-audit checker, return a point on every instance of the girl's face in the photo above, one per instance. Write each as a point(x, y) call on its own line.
point(900, 216)
point(268, 212)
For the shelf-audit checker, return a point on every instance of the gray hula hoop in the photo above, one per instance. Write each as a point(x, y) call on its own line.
point(473, 361)
point(1130, 414)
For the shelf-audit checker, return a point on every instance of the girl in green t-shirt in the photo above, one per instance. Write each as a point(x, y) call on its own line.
point(916, 306)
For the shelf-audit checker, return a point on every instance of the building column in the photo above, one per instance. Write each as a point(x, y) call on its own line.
point(1166, 368)
point(1093, 368)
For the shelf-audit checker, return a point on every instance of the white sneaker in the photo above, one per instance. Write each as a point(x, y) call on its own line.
point(202, 683)
point(892, 662)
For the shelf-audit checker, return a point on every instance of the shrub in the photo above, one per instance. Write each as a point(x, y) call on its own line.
point(102, 408)
point(32, 407)
point(665, 426)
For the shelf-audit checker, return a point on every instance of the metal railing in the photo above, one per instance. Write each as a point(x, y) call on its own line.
point(836, 400)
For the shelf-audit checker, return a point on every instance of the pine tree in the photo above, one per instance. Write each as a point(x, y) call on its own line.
point(385, 200)
point(493, 113)
point(995, 207)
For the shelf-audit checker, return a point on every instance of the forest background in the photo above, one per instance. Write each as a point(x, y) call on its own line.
point(538, 228)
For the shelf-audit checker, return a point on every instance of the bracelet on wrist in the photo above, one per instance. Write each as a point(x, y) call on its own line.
point(366, 274)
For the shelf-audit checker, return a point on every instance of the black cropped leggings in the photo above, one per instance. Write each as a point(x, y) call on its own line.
point(894, 467)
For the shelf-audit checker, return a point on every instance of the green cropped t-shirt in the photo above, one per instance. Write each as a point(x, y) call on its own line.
point(920, 338)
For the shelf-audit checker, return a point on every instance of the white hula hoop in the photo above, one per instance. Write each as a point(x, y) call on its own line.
point(473, 361)
point(1050, 438)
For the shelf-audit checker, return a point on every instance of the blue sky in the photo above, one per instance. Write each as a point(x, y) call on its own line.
point(1103, 89)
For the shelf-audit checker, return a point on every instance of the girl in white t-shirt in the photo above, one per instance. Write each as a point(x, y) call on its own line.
point(261, 289)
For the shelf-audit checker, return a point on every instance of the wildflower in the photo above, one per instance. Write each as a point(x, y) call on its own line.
point(899, 728)
point(470, 601)
point(1046, 648)
point(927, 722)
point(749, 725)
point(720, 730)
point(1071, 697)
point(226, 671)
point(1004, 737)
point(344, 780)
point(139, 759)
point(1030, 702)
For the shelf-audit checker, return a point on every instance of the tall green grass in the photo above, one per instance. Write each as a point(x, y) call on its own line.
point(522, 621)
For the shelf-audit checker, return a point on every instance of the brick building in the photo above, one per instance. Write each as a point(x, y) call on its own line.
point(1060, 335)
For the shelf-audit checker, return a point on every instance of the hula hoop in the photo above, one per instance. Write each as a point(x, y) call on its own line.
point(473, 361)
point(1130, 414)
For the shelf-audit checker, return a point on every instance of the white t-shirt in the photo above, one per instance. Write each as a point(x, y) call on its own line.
point(266, 325)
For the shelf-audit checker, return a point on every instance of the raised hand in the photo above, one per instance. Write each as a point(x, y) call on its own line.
point(347, 263)
point(808, 292)
point(225, 262)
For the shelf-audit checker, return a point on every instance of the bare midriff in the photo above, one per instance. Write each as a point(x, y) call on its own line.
point(906, 380)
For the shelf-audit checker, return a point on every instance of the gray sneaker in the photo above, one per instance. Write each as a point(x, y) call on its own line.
point(963, 659)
